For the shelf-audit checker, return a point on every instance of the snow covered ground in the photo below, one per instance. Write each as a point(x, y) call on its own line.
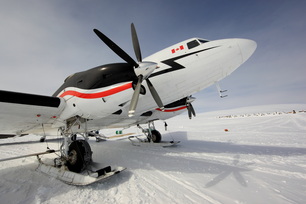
point(260, 159)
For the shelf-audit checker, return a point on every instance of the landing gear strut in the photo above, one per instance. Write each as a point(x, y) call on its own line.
point(76, 154)
point(152, 134)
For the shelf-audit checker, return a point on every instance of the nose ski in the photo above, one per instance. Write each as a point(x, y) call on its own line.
point(137, 141)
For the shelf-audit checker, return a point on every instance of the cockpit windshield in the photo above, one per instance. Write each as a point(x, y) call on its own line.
point(195, 43)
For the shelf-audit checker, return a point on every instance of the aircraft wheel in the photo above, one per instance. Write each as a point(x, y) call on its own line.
point(79, 156)
point(156, 136)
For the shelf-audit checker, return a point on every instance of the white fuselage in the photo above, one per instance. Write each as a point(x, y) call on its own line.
point(181, 71)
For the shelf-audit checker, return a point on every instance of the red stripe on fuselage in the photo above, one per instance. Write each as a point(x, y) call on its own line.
point(172, 110)
point(97, 95)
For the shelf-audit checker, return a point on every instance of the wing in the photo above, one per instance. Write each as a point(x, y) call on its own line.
point(25, 113)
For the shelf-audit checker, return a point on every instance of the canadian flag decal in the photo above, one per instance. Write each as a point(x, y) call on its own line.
point(177, 49)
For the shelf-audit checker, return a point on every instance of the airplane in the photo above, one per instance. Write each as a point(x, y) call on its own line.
point(118, 95)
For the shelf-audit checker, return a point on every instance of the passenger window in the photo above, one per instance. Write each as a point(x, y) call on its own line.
point(192, 44)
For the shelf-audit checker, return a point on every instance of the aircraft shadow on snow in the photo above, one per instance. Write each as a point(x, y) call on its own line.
point(224, 170)
point(234, 169)
point(232, 148)
point(162, 159)
point(159, 159)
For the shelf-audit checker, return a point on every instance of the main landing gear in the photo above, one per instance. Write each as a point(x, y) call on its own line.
point(153, 137)
point(74, 166)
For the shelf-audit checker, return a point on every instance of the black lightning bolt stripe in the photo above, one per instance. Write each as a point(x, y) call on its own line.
point(176, 66)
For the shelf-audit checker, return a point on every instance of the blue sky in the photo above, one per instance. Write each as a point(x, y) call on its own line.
point(42, 42)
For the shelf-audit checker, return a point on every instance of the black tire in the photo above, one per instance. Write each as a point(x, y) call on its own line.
point(79, 156)
point(156, 136)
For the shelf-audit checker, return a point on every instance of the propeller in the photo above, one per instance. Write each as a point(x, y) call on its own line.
point(189, 106)
point(115, 48)
point(143, 70)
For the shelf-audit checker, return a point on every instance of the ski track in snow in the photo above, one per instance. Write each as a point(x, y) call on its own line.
point(261, 159)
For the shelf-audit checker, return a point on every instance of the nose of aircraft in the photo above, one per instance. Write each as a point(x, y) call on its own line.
point(247, 48)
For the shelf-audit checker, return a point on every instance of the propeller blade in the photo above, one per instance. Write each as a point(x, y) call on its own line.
point(121, 53)
point(192, 110)
point(135, 96)
point(155, 94)
point(136, 45)
point(189, 111)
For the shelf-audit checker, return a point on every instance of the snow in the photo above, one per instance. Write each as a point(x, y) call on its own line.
point(260, 159)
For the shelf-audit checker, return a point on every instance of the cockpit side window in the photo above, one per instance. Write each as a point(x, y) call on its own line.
point(193, 44)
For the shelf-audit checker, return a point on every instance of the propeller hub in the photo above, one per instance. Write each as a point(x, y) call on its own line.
point(145, 69)
point(190, 99)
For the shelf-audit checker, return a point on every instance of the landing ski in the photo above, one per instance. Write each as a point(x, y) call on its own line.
point(105, 138)
point(136, 141)
point(78, 179)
